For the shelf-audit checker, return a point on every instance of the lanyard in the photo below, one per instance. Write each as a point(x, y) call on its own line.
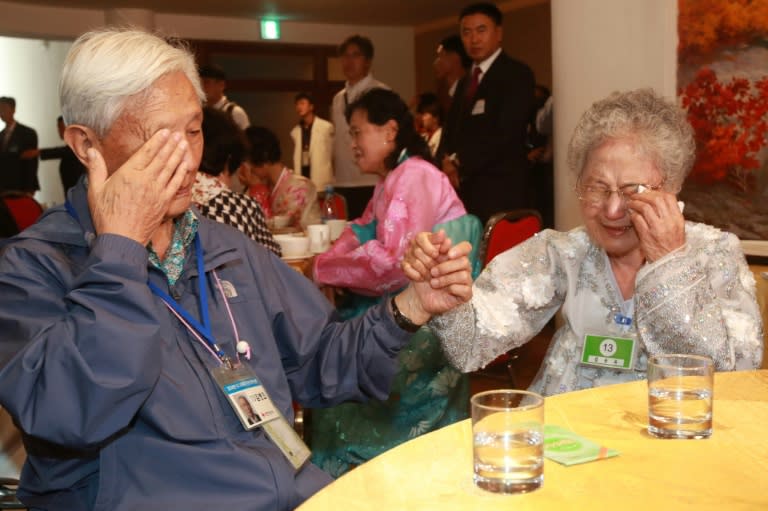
point(202, 327)
point(201, 331)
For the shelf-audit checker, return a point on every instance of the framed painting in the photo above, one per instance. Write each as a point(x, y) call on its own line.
point(722, 81)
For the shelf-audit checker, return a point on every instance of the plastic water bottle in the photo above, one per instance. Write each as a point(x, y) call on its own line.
point(329, 205)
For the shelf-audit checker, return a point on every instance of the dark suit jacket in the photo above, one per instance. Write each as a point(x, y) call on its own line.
point(70, 168)
point(15, 173)
point(490, 143)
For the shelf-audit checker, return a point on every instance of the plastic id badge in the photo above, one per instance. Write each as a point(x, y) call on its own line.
point(254, 408)
point(609, 351)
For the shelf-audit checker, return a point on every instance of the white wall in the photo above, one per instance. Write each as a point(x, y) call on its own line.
point(31, 74)
point(600, 46)
point(36, 84)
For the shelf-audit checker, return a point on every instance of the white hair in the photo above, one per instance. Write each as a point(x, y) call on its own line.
point(660, 127)
point(107, 67)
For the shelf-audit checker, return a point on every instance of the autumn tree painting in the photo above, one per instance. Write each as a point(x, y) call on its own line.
point(723, 85)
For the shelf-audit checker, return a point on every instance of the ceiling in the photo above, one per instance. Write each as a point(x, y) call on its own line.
point(359, 12)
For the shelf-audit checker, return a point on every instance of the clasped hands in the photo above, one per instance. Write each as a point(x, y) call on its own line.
point(440, 274)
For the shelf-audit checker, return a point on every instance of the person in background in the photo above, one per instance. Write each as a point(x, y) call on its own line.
point(636, 273)
point(451, 64)
point(16, 174)
point(224, 152)
point(214, 81)
point(126, 318)
point(356, 55)
point(312, 143)
point(70, 168)
point(256, 188)
point(483, 149)
point(412, 195)
point(431, 116)
point(540, 155)
point(290, 194)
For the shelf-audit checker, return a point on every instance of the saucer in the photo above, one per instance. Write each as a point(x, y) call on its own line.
point(297, 257)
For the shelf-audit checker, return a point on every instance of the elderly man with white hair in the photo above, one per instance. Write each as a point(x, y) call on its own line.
point(131, 327)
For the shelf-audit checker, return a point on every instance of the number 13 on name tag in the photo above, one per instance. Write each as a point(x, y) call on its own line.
point(609, 351)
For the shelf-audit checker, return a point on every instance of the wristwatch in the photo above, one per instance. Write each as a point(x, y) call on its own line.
point(401, 320)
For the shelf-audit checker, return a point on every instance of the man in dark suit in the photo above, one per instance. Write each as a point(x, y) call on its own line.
point(70, 167)
point(483, 146)
point(15, 173)
point(451, 65)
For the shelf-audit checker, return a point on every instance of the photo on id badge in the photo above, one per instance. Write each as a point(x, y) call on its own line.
point(249, 412)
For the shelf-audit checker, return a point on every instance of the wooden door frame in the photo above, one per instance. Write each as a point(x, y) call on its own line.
point(320, 87)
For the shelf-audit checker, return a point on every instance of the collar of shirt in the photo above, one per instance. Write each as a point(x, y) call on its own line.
point(206, 187)
point(184, 230)
point(452, 88)
point(221, 103)
point(485, 65)
point(8, 131)
point(353, 91)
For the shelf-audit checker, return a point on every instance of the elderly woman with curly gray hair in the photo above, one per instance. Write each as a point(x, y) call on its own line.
point(634, 281)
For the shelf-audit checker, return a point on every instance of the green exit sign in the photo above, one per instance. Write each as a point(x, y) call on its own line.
point(270, 29)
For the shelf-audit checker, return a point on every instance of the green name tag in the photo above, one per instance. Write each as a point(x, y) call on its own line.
point(607, 351)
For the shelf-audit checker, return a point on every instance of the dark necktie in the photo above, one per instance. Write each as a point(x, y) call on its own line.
point(472, 89)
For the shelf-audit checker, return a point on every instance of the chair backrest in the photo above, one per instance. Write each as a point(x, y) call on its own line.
point(24, 209)
point(506, 229)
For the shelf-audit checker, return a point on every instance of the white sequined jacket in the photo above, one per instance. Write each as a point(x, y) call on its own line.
point(699, 299)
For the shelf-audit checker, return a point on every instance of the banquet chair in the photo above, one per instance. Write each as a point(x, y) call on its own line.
point(503, 231)
point(24, 209)
point(506, 229)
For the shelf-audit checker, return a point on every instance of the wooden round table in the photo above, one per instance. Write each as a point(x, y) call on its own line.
point(727, 471)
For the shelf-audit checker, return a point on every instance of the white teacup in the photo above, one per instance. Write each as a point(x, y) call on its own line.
point(319, 237)
point(336, 228)
point(292, 245)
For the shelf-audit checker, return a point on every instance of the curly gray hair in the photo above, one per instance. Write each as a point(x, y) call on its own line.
point(659, 125)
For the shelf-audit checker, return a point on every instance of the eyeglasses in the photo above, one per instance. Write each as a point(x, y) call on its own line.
point(599, 195)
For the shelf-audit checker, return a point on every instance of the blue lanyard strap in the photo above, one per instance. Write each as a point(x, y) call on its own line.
point(71, 210)
point(203, 327)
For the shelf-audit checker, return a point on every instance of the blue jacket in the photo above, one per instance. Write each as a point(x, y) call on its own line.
point(114, 396)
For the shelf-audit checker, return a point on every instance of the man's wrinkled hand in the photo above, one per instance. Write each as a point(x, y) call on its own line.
point(134, 199)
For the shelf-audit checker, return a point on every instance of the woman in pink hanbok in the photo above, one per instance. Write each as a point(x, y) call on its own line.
point(290, 194)
point(411, 195)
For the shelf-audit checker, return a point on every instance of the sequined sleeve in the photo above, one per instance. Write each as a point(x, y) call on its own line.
point(702, 300)
point(514, 297)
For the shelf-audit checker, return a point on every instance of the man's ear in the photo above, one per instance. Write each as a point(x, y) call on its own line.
point(80, 138)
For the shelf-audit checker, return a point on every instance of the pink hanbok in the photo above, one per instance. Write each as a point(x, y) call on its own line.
point(295, 196)
point(414, 197)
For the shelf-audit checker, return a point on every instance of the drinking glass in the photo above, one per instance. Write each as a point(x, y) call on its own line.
point(680, 396)
point(508, 440)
